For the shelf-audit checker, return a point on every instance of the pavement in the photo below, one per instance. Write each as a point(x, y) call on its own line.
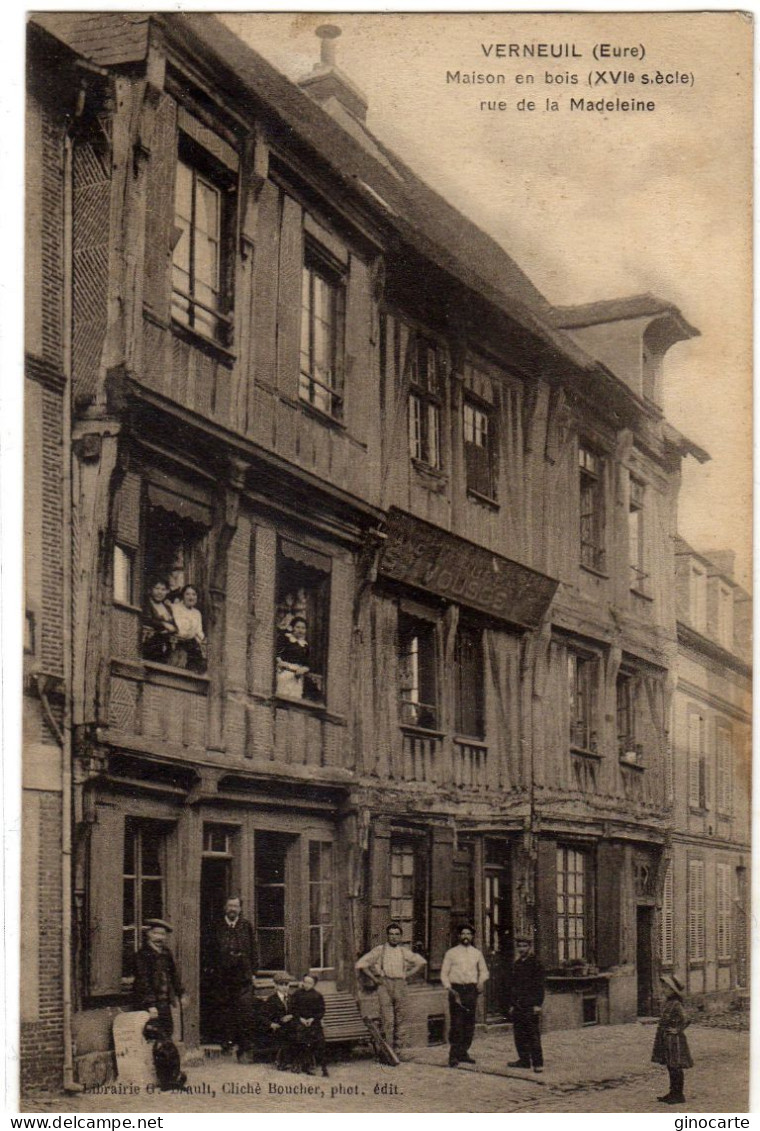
point(600, 1069)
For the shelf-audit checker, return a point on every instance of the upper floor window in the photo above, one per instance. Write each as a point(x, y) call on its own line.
point(592, 533)
point(418, 697)
point(636, 534)
point(303, 611)
point(322, 332)
point(582, 695)
point(698, 598)
point(123, 574)
point(175, 562)
point(469, 713)
point(628, 741)
point(479, 449)
point(202, 258)
point(425, 404)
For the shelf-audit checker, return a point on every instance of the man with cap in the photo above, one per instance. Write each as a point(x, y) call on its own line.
point(157, 986)
point(389, 965)
point(464, 974)
point(527, 1002)
point(277, 1019)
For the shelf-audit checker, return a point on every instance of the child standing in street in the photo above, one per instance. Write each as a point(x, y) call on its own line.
point(670, 1045)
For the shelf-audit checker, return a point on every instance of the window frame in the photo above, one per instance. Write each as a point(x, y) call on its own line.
point(591, 508)
point(696, 926)
point(215, 176)
point(140, 826)
point(584, 732)
point(416, 848)
point(289, 567)
point(486, 487)
point(424, 631)
point(425, 405)
point(637, 535)
point(322, 884)
point(563, 914)
point(318, 264)
point(466, 713)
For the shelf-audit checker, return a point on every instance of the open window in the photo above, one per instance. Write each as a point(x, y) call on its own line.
point(583, 673)
point(175, 571)
point(630, 731)
point(417, 674)
point(302, 629)
point(592, 527)
point(425, 404)
point(480, 448)
point(203, 254)
point(323, 304)
point(469, 713)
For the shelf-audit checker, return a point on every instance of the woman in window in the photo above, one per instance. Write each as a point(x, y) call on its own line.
point(293, 659)
point(190, 638)
point(159, 627)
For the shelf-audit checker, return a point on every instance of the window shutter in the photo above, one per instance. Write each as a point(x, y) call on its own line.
point(440, 895)
point(546, 900)
point(609, 873)
point(723, 895)
point(695, 724)
point(105, 912)
point(379, 881)
point(666, 919)
point(127, 510)
point(159, 222)
point(289, 298)
point(696, 910)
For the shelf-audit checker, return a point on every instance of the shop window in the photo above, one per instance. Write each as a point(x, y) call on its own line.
point(666, 919)
point(696, 897)
point(123, 575)
point(582, 694)
point(469, 673)
point(592, 527)
point(425, 404)
point(174, 609)
point(724, 768)
point(202, 266)
point(303, 610)
point(408, 890)
point(723, 910)
point(418, 698)
point(321, 905)
point(323, 300)
point(636, 535)
point(143, 886)
point(574, 916)
point(479, 449)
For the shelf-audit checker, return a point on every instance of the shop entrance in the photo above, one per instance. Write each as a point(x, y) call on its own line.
point(497, 928)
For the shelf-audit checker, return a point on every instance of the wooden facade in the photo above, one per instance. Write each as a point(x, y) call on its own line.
point(483, 732)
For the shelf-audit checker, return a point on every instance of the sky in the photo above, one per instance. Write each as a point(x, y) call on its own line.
point(591, 205)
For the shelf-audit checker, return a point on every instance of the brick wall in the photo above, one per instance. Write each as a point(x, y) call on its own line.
point(41, 1045)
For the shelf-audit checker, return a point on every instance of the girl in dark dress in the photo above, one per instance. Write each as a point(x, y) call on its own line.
point(307, 1036)
point(670, 1045)
point(292, 660)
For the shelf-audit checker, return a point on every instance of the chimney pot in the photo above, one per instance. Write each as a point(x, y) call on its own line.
point(328, 33)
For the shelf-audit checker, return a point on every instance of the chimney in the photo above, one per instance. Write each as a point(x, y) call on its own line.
point(328, 85)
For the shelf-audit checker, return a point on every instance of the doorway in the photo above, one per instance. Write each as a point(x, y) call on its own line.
point(216, 879)
point(497, 928)
point(644, 962)
point(274, 887)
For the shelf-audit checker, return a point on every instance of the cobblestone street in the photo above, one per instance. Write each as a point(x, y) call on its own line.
point(593, 1070)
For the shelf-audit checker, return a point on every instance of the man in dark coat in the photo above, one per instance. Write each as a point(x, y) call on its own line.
point(234, 961)
point(527, 1002)
point(157, 986)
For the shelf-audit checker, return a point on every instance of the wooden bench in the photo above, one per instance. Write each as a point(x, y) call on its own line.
point(343, 1020)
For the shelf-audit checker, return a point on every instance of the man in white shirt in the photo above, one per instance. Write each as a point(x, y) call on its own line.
point(388, 966)
point(464, 974)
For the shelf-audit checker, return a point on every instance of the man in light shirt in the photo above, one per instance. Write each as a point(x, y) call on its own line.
point(389, 966)
point(464, 974)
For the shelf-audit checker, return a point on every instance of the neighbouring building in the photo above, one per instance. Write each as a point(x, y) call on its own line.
point(424, 669)
point(706, 918)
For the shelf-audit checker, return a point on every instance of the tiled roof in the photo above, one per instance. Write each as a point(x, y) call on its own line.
point(617, 310)
point(104, 38)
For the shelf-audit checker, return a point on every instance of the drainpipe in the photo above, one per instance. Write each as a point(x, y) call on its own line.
point(69, 1083)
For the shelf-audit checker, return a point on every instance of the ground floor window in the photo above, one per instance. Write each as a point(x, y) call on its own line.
point(572, 905)
point(321, 902)
point(143, 880)
point(409, 890)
